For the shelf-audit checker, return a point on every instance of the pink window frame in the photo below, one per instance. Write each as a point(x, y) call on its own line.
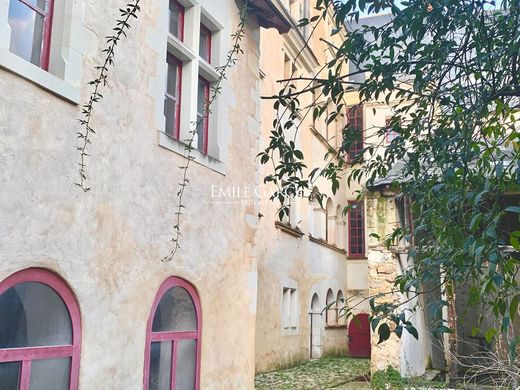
point(205, 117)
point(355, 119)
point(208, 32)
point(169, 283)
point(177, 99)
point(27, 355)
point(361, 212)
point(180, 31)
point(47, 30)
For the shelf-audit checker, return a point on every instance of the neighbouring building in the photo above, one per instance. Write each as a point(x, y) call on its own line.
point(85, 301)
point(316, 256)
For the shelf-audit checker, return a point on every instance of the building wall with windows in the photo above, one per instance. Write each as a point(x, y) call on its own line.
point(190, 321)
point(304, 260)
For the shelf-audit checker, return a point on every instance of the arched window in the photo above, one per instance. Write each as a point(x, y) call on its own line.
point(340, 305)
point(319, 215)
point(40, 332)
point(330, 236)
point(340, 227)
point(330, 313)
point(172, 353)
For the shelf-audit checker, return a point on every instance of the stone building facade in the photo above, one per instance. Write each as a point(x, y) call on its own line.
point(85, 301)
point(305, 262)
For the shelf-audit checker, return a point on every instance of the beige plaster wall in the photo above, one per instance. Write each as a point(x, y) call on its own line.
point(286, 258)
point(108, 243)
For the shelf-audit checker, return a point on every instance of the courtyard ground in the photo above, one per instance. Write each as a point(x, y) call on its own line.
point(320, 374)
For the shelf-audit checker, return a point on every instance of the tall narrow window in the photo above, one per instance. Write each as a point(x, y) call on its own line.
point(202, 115)
point(356, 229)
point(355, 120)
point(172, 98)
point(31, 28)
point(289, 308)
point(172, 354)
point(176, 19)
point(40, 333)
point(205, 44)
point(389, 133)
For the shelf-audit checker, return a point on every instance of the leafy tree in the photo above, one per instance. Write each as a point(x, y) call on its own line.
point(450, 70)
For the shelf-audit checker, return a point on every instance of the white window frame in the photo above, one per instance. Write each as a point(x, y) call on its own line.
point(66, 52)
point(195, 14)
point(289, 307)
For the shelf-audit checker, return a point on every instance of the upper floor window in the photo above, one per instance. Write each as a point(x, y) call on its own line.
point(40, 333)
point(205, 44)
point(203, 115)
point(31, 27)
point(355, 121)
point(172, 99)
point(172, 355)
point(356, 229)
point(176, 19)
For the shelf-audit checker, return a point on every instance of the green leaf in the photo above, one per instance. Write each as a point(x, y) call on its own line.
point(490, 334)
point(384, 333)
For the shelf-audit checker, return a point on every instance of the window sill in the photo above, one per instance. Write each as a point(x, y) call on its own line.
point(167, 142)
point(326, 244)
point(286, 228)
point(335, 326)
point(179, 49)
point(17, 65)
point(362, 257)
point(207, 71)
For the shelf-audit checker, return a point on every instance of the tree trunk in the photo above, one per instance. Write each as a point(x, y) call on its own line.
point(453, 349)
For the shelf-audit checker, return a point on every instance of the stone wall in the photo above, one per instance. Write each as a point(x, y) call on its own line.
point(107, 244)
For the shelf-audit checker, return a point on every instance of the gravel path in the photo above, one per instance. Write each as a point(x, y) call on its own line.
point(320, 374)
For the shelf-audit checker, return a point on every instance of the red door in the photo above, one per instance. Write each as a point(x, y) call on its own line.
point(359, 337)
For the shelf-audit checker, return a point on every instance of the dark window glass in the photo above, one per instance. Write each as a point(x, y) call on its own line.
point(356, 229)
point(173, 97)
point(175, 312)
point(355, 120)
point(160, 365)
point(202, 117)
point(186, 364)
point(10, 375)
point(205, 44)
point(33, 314)
point(176, 19)
point(50, 374)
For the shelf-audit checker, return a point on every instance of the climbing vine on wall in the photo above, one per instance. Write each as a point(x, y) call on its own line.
point(126, 14)
point(84, 136)
point(216, 89)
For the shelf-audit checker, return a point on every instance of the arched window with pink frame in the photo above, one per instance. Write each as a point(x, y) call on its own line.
point(172, 353)
point(40, 332)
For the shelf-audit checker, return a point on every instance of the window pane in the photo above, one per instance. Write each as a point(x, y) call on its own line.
point(170, 113)
point(173, 72)
point(9, 375)
point(50, 374)
point(33, 315)
point(200, 133)
point(176, 16)
point(26, 32)
point(160, 366)
point(185, 365)
point(41, 4)
point(205, 43)
point(175, 312)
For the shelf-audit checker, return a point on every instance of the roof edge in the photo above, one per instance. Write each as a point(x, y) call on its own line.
point(270, 16)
